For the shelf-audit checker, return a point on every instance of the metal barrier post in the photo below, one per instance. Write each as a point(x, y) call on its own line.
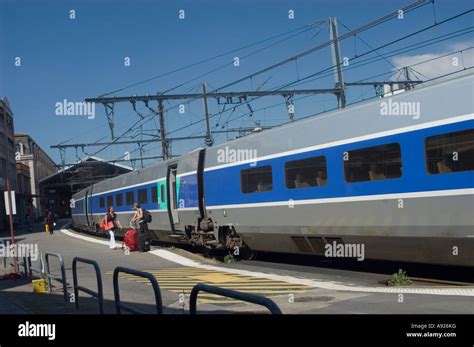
point(24, 263)
point(99, 294)
point(4, 258)
point(50, 276)
point(128, 308)
point(38, 271)
point(253, 298)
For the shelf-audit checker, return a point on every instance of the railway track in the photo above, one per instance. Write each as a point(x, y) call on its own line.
point(420, 274)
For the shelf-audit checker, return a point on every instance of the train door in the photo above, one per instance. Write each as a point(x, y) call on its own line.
point(88, 210)
point(200, 174)
point(173, 195)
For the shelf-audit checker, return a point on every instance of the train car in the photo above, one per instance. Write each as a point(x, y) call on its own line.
point(395, 174)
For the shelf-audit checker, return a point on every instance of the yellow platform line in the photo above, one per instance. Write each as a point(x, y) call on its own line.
point(191, 282)
point(229, 285)
point(200, 274)
point(168, 285)
point(190, 279)
point(180, 271)
point(263, 291)
point(233, 283)
point(196, 274)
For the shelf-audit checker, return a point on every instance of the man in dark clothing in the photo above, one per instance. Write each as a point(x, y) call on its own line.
point(144, 233)
point(49, 220)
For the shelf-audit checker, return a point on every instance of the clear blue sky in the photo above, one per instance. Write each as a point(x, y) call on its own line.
point(76, 59)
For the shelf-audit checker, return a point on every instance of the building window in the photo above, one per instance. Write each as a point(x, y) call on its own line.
point(154, 194)
point(142, 196)
point(119, 199)
point(373, 163)
point(256, 180)
point(129, 198)
point(453, 152)
point(102, 202)
point(110, 200)
point(304, 173)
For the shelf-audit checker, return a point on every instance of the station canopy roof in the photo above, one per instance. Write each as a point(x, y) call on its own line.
point(85, 172)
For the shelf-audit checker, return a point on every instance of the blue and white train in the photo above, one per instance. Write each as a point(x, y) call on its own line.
point(380, 174)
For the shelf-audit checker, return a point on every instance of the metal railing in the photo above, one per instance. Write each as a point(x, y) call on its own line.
point(99, 294)
point(6, 263)
point(23, 262)
point(39, 272)
point(4, 245)
point(252, 298)
point(50, 276)
point(119, 306)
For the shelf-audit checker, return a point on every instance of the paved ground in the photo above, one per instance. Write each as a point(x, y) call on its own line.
point(177, 280)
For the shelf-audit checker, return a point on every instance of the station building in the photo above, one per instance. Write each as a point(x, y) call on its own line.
point(57, 189)
point(40, 166)
point(24, 199)
point(7, 156)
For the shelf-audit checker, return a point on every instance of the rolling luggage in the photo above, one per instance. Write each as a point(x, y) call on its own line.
point(143, 243)
point(131, 240)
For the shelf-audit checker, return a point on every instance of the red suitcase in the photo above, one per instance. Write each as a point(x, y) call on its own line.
point(131, 240)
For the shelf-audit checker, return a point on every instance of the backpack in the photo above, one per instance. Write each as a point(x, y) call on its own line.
point(146, 216)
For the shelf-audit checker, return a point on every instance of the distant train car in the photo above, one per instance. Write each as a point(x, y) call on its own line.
point(394, 174)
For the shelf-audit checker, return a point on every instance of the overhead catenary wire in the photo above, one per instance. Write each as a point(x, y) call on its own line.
point(225, 65)
point(306, 96)
point(389, 54)
point(414, 46)
point(298, 80)
point(362, 28)
point(298, 31)
point(304, 27)
point(372, 24)
point(366, 61)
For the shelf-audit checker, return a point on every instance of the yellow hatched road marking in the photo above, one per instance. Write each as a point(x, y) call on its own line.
point(260, 291)
point(237, 283)
point(247, 289)
point(211, 279)
point(183, 279)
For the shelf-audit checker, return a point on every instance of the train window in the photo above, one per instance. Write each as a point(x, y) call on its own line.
point(154, 194)
point(119, 199)
point(110, 200)
point(373, 163)
point(129, 198)
point(162, 193)
point(453, 152)
point(102, 202)
point(256, 180)
point(310, 172)
point(142, 196)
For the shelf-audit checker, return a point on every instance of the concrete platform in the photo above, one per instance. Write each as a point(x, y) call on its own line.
point(296, 289)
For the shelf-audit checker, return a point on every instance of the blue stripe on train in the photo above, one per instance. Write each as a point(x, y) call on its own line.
point(187, 196)
point(222, 186)
point(125, 208)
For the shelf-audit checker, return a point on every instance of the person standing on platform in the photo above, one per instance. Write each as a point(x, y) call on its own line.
point(49, 221)
point(111, 225)
point(143, 234)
